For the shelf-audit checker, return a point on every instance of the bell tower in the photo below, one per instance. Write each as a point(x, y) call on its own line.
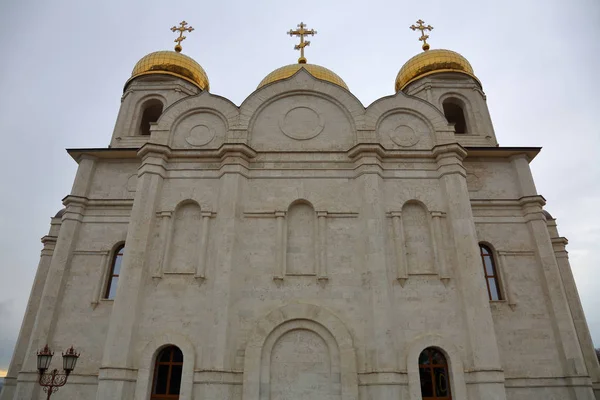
point(158, 80)
point(446, 79)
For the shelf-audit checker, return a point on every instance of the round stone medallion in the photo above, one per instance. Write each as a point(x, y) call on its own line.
point(200, 135)
point(404, 136)
point(301, 123)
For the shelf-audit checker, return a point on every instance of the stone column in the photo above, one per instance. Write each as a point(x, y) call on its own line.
point(400, 245)
point(201, 266)
point(19, 354)
point(437, 239)
point(322, 245)
point(483, 358)
point(166, 229)
point(116, 379)
point(46, 316)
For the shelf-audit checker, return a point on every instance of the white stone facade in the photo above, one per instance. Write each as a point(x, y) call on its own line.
point(303, 246)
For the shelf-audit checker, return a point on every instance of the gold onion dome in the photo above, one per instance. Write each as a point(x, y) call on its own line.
point(317, 71)
point(172, 63)
point(431, 62)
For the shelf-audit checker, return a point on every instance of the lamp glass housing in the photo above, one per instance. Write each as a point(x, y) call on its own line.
point(70, 360)
point(44, 358)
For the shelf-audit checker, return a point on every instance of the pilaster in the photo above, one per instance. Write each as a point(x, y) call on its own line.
point(58, 269)
point(234, 166)
point(483, 357)
point(19, 354)
point(380, 325)
point(116, 379)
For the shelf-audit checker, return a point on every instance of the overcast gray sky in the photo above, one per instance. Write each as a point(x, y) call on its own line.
point(64, 64)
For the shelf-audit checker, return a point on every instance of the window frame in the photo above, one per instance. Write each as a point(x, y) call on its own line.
point(495, 276)
point(431, 367)
point(462, 104)
point(170, 364)
point(119, 251)
point(142, 108)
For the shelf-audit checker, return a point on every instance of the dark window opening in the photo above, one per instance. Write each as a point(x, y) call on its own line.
point(491, 274)
point(455, 115)
point(115, 271)
point(152, 111)
point(167, 374)
point(433, 372)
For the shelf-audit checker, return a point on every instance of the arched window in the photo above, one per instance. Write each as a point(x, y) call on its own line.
point(491, 275)
point(433, 372)
point(115, 271)
point(151, 112)
point(167, 374)
point(455, 115)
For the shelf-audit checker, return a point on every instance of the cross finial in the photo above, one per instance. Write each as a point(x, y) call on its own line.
point(422, 28)
point(181, 38)
point(302, 32)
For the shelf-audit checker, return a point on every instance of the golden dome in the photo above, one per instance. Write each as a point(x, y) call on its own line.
point(430, 62)
point(171, 63)
point(317, 71)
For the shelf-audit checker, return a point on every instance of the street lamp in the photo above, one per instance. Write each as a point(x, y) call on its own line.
point(52, 381)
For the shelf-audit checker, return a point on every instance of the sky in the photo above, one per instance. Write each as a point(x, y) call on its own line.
point(64, 64)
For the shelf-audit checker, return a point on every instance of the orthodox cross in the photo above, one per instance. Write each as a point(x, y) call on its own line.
point(181, 38)
point(423, 37)
point(302, 32)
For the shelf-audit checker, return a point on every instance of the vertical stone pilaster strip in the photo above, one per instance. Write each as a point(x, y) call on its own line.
point(45, 321)
point(204, 236)
point(400, 247)
point(281, 245)
point(116, 379)
point(482, 350)
point(322, 245)
point(439, 248)
point(166, 230)
point(19, 354)
point(104, 266)
point(510, 297)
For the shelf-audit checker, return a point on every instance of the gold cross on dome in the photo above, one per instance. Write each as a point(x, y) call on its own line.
point(422, 28)
point(302, 32)
point(181, 38)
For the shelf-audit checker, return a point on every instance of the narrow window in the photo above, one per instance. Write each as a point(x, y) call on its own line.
point(455, 115)
point(167, 374)
point(115, 270)
point(491, 275)
point(433, 372)
point(152, 111)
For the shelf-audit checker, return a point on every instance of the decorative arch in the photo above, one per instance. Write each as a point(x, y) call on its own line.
point(376, 111)
point(301, 83)
point(182, 254)
point(301, 242)
point(455, 364)
point(310, 317)
point(146, 358)
point(204, 101)
point(419, 238)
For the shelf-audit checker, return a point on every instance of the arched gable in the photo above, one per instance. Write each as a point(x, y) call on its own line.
point(204, 101)
point(301, 82)
point(385, 106)
point(295, 316)
point(144, 361)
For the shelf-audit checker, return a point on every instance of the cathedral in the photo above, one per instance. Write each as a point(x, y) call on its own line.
point(303, 245)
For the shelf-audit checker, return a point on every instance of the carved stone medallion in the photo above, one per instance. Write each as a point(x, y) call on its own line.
point(200, 135)
point(301, 123)
point(404, 136)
